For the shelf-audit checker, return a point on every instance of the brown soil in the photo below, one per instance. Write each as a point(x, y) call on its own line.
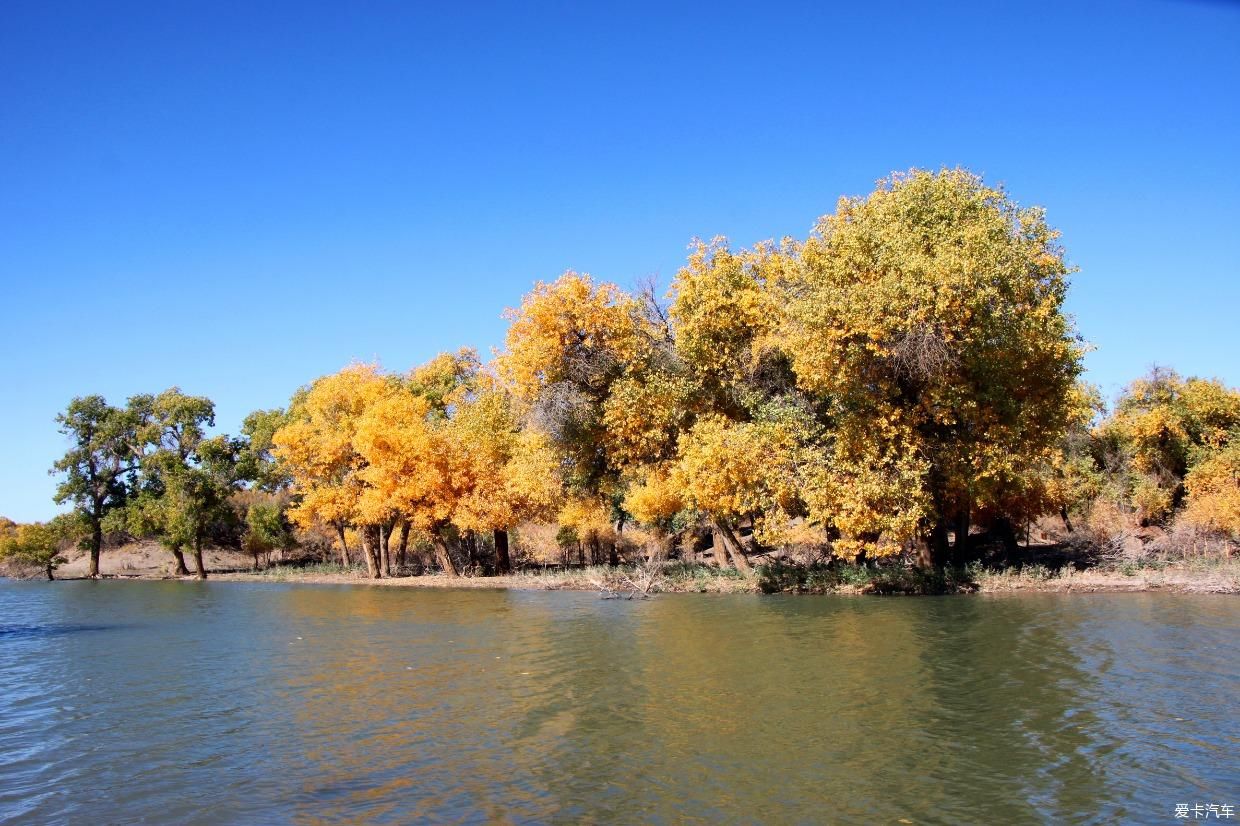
point(148, 560)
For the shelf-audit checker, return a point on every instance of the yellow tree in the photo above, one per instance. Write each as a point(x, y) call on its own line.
point(316, 446)
point(570, 346)
point(412, 468)
point(1162, 428)
point(1213, 486)
point(731, 471)
point(447, 453)
point(514, 472)
point(725, 319)
point(708, 411)
point(588, 520)
point(927, 319)
point(39, 544)
point(654, 498)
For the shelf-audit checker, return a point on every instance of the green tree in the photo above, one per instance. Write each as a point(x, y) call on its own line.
point(194, 498)
point(257, 462)
point(186, 479)
point(267, 530)
point(40, 544)
point(97, 465)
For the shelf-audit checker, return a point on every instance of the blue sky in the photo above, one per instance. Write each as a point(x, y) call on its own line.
point(238, 197)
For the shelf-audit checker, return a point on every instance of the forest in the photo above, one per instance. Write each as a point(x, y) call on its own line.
point(901, 388)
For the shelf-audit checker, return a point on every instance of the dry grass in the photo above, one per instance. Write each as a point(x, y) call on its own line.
point(1203, 576)
point(622, 580)
point(1155, 570)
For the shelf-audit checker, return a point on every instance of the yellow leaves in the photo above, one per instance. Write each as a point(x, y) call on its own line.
point(447, 379)
point(655, 498)
point(1152, 499)
point(1167, 423)
point(736, 469)
point(531, 476)
point(868, 490)
point(929, 315)
point(722, 307)
point(1212, 409)
point(317, 444)
point(515, 475)
point(1214, 492)
point(590, 518)
point(412, 468)
point(33, 543)
point(643, 415)
point(570, 330)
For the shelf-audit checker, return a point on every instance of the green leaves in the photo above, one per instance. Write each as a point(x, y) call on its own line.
point(39, 544)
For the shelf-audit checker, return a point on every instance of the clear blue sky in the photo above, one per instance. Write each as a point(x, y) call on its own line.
point(239, 197)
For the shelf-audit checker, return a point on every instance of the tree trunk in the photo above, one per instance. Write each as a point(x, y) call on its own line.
point(179, 569)
point(960, 549)
point(933, 550)
point(368, 552)
point(50, 578)
point(443, 557)
point(344, 548)
point(404, 544)
point(385, 547)
point(596, 550)
point(735, 548)
point(613, 555)
point(503, 563)
point(962, 529)
point(471, 549)
point(1067, 522)
point(581, 553)
point(202, 569)
point(719, 547)
point(1007, 535)
point(96, 545)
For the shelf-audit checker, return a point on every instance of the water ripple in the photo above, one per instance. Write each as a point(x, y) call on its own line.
point(290, 704)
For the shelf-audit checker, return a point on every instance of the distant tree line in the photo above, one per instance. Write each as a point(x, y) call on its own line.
point(902, 384)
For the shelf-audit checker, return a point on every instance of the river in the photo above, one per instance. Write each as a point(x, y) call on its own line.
point(181, 702)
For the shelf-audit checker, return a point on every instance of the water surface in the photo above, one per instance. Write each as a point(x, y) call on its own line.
point(186, 702)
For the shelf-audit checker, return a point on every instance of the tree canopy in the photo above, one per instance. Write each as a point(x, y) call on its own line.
point(902, 377)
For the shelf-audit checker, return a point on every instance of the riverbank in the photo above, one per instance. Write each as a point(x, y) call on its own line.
point(1196, 577)
point(1215, 575)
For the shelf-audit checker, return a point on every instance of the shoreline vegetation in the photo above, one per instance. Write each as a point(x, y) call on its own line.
point(1045, 570)
point(894, 404)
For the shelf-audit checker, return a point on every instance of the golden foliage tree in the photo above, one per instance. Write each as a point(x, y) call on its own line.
point(317, 447)
point(1164, 427)
point(928, 318)
point(1213, 487)
point(568, 345)
point(732, 471)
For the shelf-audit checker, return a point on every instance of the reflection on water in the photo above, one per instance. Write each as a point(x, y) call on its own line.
point(222, 702)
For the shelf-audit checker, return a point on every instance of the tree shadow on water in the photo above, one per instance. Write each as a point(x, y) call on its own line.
point(23, 631)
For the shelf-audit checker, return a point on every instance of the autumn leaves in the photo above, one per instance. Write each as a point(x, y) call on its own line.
point(899, 381)
point(904, 371)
